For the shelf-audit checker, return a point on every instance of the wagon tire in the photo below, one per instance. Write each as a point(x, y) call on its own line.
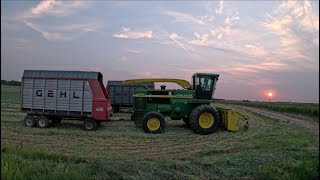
point(43, 122)
point(153, 122)
point(30, 121)
point(204, 119)
point(89, 125)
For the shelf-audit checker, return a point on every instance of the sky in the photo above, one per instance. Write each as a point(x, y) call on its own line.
point(257, 47)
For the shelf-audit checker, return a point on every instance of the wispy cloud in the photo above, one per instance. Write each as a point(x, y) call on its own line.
point(128, 34)
point(202, 40)
point(55, 8)
point(63, 32)
point(183, 17)
point(296, 26)
point(256, 50)
point(134, 51)
point(179, 41)
point(219, 11)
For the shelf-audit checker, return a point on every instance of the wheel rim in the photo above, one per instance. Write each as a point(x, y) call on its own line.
point(89, 125)
point(42, 122)
point(29, 122)
point(153, 124)
point(206, 120)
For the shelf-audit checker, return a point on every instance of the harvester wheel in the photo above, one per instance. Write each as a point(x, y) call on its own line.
point(43, 122)
point(187, 122)
point(30, 121)
point(153, 122)
point(204, 119)
point(89, 125)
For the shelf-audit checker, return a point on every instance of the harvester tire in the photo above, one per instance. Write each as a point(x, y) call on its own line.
point(153, 122)
point(187, 122)
point(89, 125)
point(43, 122)
point(30, 121)
point(204, 119)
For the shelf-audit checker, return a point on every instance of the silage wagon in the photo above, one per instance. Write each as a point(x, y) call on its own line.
point(121, 94)
point(50, 96)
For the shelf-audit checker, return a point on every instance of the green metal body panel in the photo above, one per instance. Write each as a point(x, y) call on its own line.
point(176, 104)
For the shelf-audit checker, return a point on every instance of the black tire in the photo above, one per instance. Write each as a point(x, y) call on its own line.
point(187, 122)
point(89, 125)
point(208, 112)
point(156, 125)
point(30, 121)
point(42, 122)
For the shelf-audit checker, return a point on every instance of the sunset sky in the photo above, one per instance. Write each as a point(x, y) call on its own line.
point(257, 47)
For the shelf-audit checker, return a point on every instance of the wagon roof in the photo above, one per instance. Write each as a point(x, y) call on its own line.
point(61, 74)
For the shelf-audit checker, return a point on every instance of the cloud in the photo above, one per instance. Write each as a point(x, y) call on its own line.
point(296, 26)
point(43, 6)
point(62, 33)
point(134, 51)
point(202, 40)
point(55, 8)
point(58, 9)
point(179, 41)
point(128, 34)
point(124, 29)
point(219, 11)
point(183, 17)
point(256, 50)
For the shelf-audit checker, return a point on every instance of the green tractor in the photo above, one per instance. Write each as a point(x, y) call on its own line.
point(192, 105)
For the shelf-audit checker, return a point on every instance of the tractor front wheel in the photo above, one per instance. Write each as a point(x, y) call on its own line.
point(153, 122)
point(204, 119)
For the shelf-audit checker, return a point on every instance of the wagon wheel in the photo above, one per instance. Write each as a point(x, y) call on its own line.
point(30, 121)
point(89, 125)
point(43, 122)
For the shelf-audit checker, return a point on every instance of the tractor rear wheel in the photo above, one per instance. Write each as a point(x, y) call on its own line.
point(153, 122)
point(89, 125)
point(204, 119)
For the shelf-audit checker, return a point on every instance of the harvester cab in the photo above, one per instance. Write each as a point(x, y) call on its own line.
point(204, 85)
point(193, 105)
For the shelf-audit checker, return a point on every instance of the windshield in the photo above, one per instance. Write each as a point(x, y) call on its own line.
point(205, 82)
point(204, 87)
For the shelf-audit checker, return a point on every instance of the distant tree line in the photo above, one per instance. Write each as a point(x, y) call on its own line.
point(12, 83)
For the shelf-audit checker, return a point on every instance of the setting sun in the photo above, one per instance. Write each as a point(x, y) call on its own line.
point(270, 94)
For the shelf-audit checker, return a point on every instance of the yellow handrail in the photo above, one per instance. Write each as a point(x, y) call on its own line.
point(183, 83)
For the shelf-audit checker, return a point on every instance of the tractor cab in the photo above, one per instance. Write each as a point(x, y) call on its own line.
point(204, 85)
